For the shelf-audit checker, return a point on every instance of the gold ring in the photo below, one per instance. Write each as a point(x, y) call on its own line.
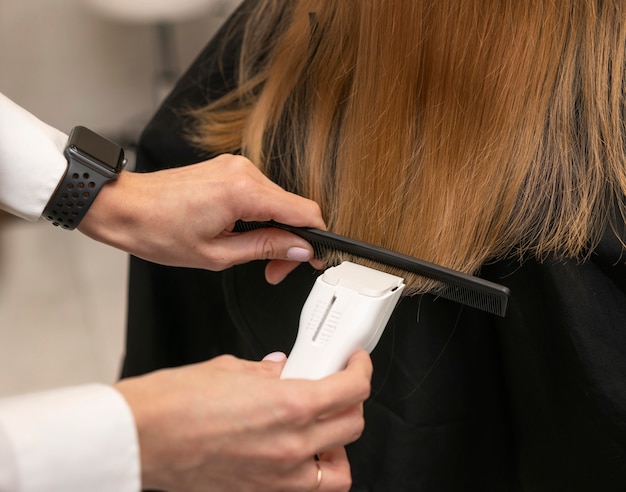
point(319, 476)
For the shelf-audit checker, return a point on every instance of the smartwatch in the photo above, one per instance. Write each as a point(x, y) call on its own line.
point(92, 162)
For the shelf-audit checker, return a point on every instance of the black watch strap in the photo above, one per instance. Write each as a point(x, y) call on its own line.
point(92, 161)
point(74, 195)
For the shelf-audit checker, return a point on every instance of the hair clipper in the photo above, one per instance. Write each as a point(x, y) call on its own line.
point(347, 310)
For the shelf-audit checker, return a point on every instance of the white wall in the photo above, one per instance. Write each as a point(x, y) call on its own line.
point(70, 65)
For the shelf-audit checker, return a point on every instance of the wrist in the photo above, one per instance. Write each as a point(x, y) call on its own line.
point(148, 405)
point(111, 215)
point(133, 393)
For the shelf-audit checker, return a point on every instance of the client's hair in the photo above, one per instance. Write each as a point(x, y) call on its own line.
point(457, 131)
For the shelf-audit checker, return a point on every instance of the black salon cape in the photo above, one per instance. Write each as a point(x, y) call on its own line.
point(461, 400)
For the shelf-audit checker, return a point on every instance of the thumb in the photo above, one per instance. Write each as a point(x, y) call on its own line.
point(276, 357)
point(274, 363)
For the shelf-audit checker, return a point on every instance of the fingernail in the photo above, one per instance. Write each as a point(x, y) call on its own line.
point(298, 254)
point(275, 357)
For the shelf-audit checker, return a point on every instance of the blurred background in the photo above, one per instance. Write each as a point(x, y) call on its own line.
point(104, 64)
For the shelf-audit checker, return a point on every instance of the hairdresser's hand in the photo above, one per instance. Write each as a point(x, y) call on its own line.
point(183, 217)
point(229, 424)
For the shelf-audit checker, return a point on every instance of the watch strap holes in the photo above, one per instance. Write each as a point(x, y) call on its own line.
point(77, 190)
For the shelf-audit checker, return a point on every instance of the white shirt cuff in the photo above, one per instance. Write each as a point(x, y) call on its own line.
point(31, 161)
point(74, 439)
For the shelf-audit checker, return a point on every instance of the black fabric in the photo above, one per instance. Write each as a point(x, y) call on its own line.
point(461, 400)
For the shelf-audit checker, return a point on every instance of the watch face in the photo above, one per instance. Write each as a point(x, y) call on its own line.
point(98, 148)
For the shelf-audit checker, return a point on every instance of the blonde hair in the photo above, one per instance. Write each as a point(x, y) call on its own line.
point(459, 132)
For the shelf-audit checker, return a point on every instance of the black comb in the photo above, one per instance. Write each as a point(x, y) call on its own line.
point(459, 287)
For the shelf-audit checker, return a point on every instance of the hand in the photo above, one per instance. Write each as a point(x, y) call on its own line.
point(229, 424)
point(185, 216)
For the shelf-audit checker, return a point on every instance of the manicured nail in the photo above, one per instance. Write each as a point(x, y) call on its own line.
point(298, 254)
point(275, 357)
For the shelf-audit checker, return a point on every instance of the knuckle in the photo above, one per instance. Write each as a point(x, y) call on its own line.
point(240, 172)
point(239, 164)
point(250, 189)
point(366, 388)
point(354, 427)
point(244, 184)
point(295, 409)
point(355, 424)
point(290, 451)
point(267, 248)
point(214, 256)
point(359, 426)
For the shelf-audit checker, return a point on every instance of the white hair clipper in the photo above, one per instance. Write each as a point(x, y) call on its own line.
point(347, 310)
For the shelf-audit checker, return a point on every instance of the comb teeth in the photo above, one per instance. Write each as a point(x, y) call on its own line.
point(459, 287)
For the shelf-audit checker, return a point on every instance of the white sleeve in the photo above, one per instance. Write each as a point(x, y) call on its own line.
point(31, 161)
point(74, 439)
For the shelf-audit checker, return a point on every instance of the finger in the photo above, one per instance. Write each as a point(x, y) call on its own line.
point(360, 362)
point(345, 388)
point(281, 206)
point(277, 270)
point(276, 357)
point(255, 197)
point(261, 244)
point(335, 471)
point(329, 473)
point(337, 429)
point(318, 264)
point(267, 201)
point(270, 367)
point(272, 364)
